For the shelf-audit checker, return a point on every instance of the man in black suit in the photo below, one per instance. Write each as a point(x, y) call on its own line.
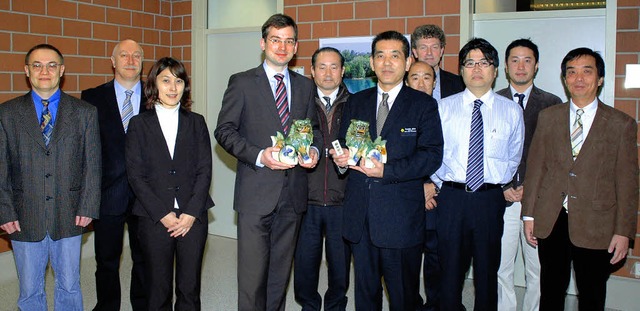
point(270, 196)
point(384, 205)
point(49, 181)
point(427, 45)
point(521, 59)
point(117, 101)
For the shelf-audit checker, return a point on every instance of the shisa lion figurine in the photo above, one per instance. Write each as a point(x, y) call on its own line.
point(360, 145)
point(298, 142)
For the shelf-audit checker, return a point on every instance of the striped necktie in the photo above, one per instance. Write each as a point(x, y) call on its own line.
point(282, 104)
point(475, 165)
point(328, 104)
point(127, 110)
point(383, 112)
point(576, 134)
point(46, 125)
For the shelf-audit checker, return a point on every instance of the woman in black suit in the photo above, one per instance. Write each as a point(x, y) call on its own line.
point(168, 154)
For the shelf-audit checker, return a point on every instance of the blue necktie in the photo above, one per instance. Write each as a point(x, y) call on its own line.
point(475, 167)
point(45, 122)
point(520, 99)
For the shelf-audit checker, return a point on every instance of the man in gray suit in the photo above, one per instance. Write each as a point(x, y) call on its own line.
point(49, 181)
point(270, 196)
point(521, 59)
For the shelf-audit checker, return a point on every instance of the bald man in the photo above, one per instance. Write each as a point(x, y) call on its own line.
point(117, 101)
point(421, 77)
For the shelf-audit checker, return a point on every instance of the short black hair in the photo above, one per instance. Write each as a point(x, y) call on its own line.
point(43, 46)
point(579, 52)
point(279, 21)
point(326, 49)
point(177, 69)
point(391, 35)
point(490, 53)
point(525, 43)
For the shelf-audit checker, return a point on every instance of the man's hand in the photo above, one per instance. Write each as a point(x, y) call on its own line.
point(430, 195)
point(272, 163)
point(513, 195)
point(82, 221)
point(314, 159)
point(528, 233)
point(619, 246)
point(377, 171)
point(340, 160)
point(170, 221)
point(182, 226)
point(11, 227)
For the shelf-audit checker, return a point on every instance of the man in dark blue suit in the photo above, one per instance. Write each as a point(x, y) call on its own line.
point(384, 205)
point(117, 101)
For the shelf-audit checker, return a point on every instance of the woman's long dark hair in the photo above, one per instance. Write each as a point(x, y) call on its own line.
point(177, 69)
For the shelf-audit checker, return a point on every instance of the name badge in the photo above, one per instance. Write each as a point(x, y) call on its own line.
point(408, 131)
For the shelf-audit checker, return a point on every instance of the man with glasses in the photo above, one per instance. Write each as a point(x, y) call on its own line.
point(49, 181)
point(483, 138)
point(117, 101)
point(270, 196)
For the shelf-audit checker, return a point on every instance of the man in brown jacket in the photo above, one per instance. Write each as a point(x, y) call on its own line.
point(581, 188)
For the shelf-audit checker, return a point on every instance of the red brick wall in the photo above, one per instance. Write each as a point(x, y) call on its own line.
point(85, 32)
point(332, 18)
point(627, 100)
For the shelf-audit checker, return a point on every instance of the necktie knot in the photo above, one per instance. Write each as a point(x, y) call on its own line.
point(279, 77)
point(327, 99)
point(579, 113)
point(128, 93)
point(45, 103)
point(477, 103)
point(520, 99)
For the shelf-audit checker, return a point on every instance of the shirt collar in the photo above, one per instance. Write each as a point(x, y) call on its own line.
point(270, 72)
point(487, 99)
point(589, 109)
point(137, 88)
point(393, 93)
point(333, 94)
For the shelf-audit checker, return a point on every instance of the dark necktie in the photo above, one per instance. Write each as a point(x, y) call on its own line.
point(383, 112)
point(127, 110)
point(282, 104)
point(520, 99)
point(45, 122)
point(328, 100)
point(475, 166)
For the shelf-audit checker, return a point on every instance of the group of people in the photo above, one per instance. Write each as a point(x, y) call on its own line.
point(450, 193)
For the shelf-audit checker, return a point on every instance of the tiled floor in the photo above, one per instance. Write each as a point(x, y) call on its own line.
point(218, 282)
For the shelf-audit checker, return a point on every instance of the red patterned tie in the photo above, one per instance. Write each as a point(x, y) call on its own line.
point(282, 105)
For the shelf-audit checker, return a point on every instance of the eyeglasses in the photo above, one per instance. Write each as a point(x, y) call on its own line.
point(40, 66)
point(288, 42)
point(483, 63)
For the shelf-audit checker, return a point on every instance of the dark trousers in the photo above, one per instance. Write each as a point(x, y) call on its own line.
point(266, 246)
point(430, 265)
point(321, 224)
point(109, 235)
point(162, 252)
point(591, 267)
point(400, 268)
point(469, 226)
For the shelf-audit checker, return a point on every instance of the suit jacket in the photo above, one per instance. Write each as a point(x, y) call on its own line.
point(393, 204)
point(46, 187)
point(538, 100)
point(247, 119)
point(117, 196)
point(157, 179)
point(602, 183)
point(450, 83)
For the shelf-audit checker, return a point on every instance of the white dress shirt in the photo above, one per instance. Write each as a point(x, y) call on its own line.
point(526, 93)
point(503, 137)
point(587, 117)
point(168, 119)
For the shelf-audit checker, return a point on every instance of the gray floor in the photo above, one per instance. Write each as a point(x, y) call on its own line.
point(219, 284)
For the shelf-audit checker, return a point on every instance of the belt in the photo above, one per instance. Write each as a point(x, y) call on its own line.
point(466, 188)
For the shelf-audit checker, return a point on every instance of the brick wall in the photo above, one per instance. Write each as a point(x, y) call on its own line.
point(332, 18)
point(627, 100)
point(86, 31)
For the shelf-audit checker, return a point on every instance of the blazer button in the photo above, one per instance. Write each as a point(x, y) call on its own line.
point(48, 198)
point(47, 175)
point(572, 174)
point(48, 153)
point(172, 172)
point(177, 188)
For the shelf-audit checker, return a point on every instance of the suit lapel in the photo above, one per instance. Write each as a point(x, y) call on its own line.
point(65, 119)
point(299, 110)
point(396, 110)
point(155, 132)
point(264, 90)
point(29, 120)
point(182, 139)
point(596, 133)
point(371, 111)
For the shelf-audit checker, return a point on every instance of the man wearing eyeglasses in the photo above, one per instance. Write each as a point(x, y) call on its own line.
point(117, 101)
point(483, 138)
point(270, 196)
point(49, 181)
